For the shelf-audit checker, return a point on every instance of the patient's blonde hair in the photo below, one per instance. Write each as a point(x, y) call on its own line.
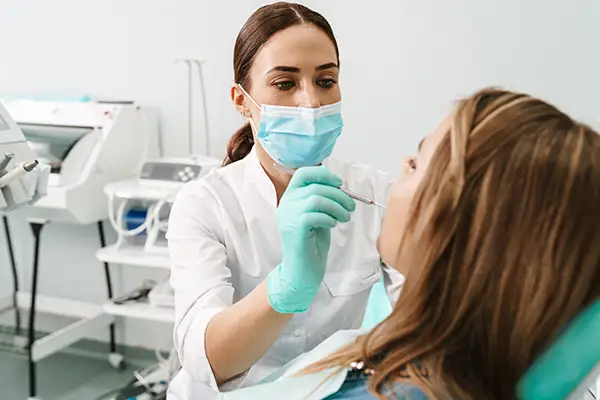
point(503, 245)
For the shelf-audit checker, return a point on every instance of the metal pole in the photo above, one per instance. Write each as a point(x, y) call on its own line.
point(204, 106)
point(109, 288)
point(36, 228)
point(13, 265)
point(190, 92)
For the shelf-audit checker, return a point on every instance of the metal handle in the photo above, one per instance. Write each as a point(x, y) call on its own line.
point(4, 163)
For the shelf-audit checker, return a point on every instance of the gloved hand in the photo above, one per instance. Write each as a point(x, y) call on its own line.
point(309, 208)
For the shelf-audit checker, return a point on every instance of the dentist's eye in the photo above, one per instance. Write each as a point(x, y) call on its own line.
point(326, 83)
point(285, 85)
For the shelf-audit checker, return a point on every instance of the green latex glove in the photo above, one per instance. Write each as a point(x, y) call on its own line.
point(309, 208)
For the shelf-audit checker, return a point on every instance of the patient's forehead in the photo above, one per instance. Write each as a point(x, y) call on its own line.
point(430, 142)
point(434, 139)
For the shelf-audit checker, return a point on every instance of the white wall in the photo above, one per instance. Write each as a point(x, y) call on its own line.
point(403, 61)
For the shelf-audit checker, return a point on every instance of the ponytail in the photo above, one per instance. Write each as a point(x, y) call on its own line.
point(239, 145)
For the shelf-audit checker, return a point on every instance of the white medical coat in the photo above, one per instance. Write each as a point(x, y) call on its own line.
point(223, 242)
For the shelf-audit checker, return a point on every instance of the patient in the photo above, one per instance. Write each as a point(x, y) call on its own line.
point(496, 218)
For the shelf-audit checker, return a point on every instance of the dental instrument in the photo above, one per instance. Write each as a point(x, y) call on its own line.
point(18, 189)
point(7, 159)
point(355, 196)
point(17, 172)
point(363, 199)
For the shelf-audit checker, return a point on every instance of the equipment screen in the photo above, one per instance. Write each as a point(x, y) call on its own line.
point(163, 173)
point(3, 124)
point(170, 172)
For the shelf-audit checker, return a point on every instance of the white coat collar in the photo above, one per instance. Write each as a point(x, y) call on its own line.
point(259, 180)
point(256, 179)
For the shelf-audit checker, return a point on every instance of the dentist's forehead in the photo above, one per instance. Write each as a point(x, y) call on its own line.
point(300, 47)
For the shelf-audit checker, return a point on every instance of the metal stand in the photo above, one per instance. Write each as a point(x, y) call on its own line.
point(36, 228)
point(13, 267)
point(109, 290)
point(91, 317)
point(115, 359)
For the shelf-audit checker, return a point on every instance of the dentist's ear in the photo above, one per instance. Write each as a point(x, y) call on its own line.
point(239, 100)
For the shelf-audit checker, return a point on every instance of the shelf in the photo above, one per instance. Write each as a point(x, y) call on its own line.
point(132, 255)
point(90, 319)
point(140, 311)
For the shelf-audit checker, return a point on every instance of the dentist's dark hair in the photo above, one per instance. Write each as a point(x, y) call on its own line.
point(256, 32)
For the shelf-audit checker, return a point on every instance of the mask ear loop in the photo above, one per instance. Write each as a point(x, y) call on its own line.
point(250, 120)
point(248, 96)
point(252, 126)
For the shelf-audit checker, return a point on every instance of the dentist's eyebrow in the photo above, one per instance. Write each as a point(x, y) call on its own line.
point(326, 66)
point(283, 68)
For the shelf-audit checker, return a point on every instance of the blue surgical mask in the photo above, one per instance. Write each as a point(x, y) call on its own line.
point(298, 136)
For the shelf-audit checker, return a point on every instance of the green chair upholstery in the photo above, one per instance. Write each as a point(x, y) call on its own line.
point(569, 367)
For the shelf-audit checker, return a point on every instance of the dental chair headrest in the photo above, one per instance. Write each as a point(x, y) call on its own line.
point(568, 362)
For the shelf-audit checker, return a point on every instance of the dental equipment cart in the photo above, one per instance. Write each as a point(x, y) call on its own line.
point(139, 211)
point(87, 145)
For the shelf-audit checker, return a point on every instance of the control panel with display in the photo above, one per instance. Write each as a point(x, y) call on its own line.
point(175, 172)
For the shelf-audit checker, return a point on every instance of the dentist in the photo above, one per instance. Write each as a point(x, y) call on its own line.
point(266, 265)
